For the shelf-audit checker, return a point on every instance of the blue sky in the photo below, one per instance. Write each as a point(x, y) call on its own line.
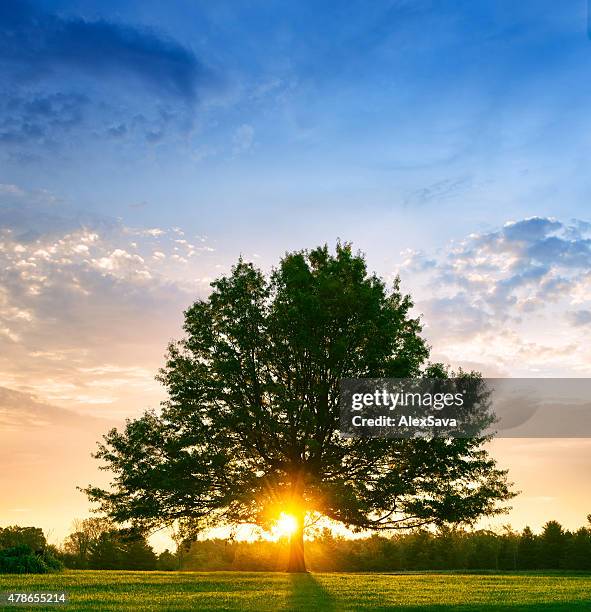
point(144, 146)
point(245, 120)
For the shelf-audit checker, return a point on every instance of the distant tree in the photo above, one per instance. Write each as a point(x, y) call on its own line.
point(22, 536)
point(121, 549)
point(578, 550)
point(552, 546)
point(218, 554)
point(528, 550)
point(79, 544)
point(251, 426)
point(418, 550)
point(137, 554)
point(167, 561)
point(448, 547)
point(483, 550)
point(106, 552)
point(96, 543)
point(327, 554)
point(507, 550)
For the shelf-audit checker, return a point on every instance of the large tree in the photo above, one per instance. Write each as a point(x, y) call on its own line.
point(250, 427)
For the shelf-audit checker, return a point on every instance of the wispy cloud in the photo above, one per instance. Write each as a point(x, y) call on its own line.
point(36, 45)
point(45, 451)
point(63, 77)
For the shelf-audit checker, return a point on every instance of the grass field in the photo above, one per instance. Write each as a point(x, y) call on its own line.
point(259, 592)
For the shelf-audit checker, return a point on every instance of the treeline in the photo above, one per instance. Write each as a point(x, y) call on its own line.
point(97, 544)
point(448, 549)
point(93, 544)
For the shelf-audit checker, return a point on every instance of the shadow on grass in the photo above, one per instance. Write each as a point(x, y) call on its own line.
point(308, 594)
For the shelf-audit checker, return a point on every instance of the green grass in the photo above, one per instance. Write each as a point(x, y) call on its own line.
point(259, 592)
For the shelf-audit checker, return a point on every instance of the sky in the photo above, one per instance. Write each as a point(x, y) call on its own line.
point(145, 146)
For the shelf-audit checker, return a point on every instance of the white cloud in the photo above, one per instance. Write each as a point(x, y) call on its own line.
point(504, 299)
point(86, 311)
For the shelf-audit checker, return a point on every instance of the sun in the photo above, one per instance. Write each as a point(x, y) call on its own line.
point(285, 525)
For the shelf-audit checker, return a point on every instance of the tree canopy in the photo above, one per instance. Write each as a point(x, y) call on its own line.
point(250, 427)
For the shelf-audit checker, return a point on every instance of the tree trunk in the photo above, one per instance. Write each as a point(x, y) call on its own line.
point(296, 561)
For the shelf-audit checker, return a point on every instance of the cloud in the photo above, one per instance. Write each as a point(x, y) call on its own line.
point(37, 118)
point(76, 302)
point(20, 411)
point(35, 45)
point(505, 298)
point(580, 317)
point(31, 214)
point(8, 189)
point(530, 230)
point(439, 191)
point(87, 308)
point(66, 83)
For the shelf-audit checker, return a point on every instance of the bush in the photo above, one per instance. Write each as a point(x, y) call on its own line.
point(50, 558)
point(22, 560)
